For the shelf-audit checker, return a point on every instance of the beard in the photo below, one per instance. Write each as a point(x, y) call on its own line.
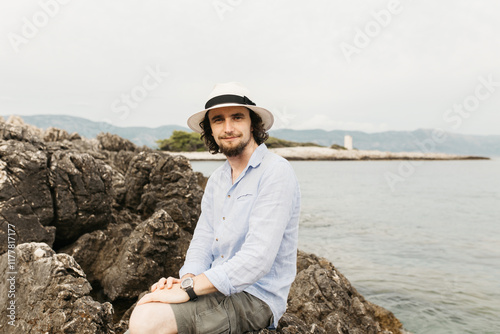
point(233, 151)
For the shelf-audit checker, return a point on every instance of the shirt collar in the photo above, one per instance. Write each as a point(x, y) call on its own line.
point(254, 161)
point(258, 155)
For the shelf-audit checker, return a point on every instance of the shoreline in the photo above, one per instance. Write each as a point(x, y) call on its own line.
point(329, 154)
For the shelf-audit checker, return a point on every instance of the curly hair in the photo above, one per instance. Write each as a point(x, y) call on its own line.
point(259, 134)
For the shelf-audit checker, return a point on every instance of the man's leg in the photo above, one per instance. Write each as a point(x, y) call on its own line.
point(212, 313)
point(154, 318)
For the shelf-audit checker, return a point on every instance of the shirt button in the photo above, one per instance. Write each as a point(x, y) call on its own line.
point(222, 256)
point(216, 239)
point(228, 196)
point(223, 218)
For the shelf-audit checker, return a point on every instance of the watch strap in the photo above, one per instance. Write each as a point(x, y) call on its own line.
point(190, 291)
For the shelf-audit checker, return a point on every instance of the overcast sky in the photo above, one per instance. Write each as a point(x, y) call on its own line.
point(354, 64)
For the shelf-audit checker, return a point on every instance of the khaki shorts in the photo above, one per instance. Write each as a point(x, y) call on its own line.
point(216, 313)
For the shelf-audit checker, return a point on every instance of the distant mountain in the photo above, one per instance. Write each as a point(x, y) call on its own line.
point(392, 141)
point(90, 129)
point(422, 140)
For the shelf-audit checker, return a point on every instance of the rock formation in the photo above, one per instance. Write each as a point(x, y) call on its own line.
point(97, 221)
point(128, 257)
point(324, 297)
point(51, 295)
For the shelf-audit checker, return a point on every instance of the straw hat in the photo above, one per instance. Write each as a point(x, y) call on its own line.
point(228, 95)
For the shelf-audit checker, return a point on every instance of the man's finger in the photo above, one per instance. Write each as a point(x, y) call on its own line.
point(170, 282)
point(161, 283)
point(153, 287)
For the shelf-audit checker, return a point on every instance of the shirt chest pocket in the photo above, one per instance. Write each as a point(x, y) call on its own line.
point(242, 206)
point(239, 214)
point(244, 198)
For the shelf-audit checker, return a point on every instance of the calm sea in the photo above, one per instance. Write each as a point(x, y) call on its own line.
point(421, 239)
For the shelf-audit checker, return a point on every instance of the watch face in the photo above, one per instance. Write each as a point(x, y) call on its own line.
point(187, 282)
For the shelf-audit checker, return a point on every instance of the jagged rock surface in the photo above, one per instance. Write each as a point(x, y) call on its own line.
point(124, 215)
point(51, 295)
point(71, 193)
point(155, 180)
point(82, 194)
point(128, 257)
point(323, 296)
point(60, 190)
point(115, 143)
point(25, 196)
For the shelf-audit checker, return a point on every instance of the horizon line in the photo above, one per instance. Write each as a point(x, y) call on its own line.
point(185, 126)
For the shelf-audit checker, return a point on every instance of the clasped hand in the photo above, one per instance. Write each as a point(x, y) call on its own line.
point(166, 290)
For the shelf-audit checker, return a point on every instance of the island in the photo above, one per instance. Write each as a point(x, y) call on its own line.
point(327, 153)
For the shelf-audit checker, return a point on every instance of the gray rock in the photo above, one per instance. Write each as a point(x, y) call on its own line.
point(323, 296)
point(25, 196)
point(83, 194)
point(156, 180)
point(156, 248)
point(202, 180)
point(128, 257)
point(15, 129)
point(45, 186)
point(121, 160)
point(51, 295)
point(111, 142)
point(54, 134)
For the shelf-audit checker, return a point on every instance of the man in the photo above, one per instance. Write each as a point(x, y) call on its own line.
point(242, 259)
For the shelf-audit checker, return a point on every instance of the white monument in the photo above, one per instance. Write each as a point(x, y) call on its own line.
point(348, 142)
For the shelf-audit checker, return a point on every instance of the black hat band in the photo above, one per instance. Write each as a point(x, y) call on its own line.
point(223, 99)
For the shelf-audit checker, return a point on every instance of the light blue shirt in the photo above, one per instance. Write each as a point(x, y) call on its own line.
point(246, 237)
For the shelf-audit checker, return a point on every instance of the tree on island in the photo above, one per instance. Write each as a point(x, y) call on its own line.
point(182, 141)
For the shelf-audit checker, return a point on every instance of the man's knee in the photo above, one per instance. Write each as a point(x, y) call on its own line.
point(152, 318)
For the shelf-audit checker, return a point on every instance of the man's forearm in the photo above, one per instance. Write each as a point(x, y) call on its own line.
point(202, 285)
point(174, 294)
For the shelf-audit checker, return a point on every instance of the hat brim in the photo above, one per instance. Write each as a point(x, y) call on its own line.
point(267, 117)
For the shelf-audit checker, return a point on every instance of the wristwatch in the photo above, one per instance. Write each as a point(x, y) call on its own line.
point(187, 285)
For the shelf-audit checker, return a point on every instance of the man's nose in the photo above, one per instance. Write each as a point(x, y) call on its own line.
point(228, 125)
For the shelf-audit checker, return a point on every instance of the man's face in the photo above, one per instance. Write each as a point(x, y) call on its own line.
point(231, 128)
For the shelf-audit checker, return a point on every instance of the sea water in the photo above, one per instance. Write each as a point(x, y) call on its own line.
point(420, 238)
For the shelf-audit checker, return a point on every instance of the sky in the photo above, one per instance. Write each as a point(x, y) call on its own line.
point(365, 65)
